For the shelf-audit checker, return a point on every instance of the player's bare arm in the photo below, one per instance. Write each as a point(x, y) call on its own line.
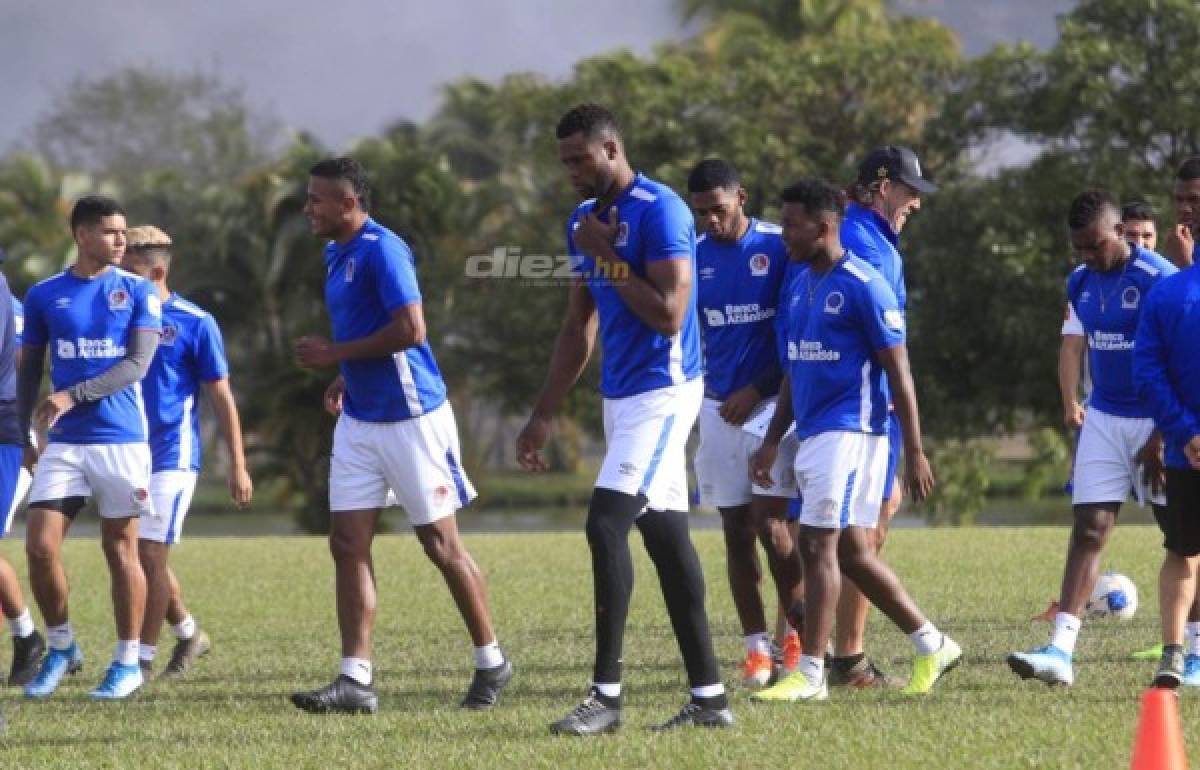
point(1070, 359)
point(407, 328)
point(241, 486)
point(918, 475)
point(764, 457)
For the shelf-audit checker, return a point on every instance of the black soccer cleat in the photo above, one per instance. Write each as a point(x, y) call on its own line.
point(694, 714)
point(186, 653)
point(591, 717)
point(27, 656)
point(486, 685)
point(1170, 669)
point(341, 696)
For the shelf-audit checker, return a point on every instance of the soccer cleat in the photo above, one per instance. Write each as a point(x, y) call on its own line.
point(56, 665)
point(1191, 670)
point(862, 674)
point(756, 669)
point(1148, 655)
point(792, 688)
point(486, 685)
point(1170, 669)
point(1047, 664)
point(186, 653)
point(928, 669)
point(694, 714)
point(120, 681)
point(591, 717)
point(341, 696)
point(792, 649)
point(27, 654)
point(147, 667)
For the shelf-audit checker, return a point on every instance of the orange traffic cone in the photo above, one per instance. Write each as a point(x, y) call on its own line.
point(1159, 741)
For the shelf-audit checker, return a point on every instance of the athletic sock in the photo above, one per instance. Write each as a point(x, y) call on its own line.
point(1066, 632)
point(185, 629)
point(927, 639)
point(813, 667)
point(610, 517)
point(146, 652)
point(608, 693)
point(127, 652)
point(1192, 637)
point(60, 637)
point(847, 662)
point(760, 643)
point(710, 696)
point(358, 669)
point(22, 625)
point(489, 656)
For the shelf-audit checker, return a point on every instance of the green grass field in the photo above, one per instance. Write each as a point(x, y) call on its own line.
point(268, 605)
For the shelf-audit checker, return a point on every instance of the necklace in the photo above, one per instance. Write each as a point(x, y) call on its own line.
point(811, 287)
point(1104, 298)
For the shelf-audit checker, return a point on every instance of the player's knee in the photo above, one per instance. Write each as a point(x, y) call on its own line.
point(739, 531)
point(40, 552)
point(347, 545)
point(775, 535)
point(1091, 530)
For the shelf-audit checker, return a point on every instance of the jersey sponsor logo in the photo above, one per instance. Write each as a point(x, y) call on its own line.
point(1130, 297)
point(350, 270)
point(1109, 341)
point(622, 235)
point(811, 350)
point(707, 273)
point(62, 303)
point(760, 265)
point(118, 299)
point(748, 313)
point(714, 317)
point(834, 302)
point(170, 333)
point(894, 319)
point(84, 347)
point(1085, 296)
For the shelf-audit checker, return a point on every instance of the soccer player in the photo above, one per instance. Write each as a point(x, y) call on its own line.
point(28, 643)
point(1138, 218)
point(1117, 444)
point(740, 262)
point(885, 194)
point(845, 330)
point(191, 354)
point(632, 244)
point(1166, 370)
point(395, 431)
point(1180, 246)
point(102, 326)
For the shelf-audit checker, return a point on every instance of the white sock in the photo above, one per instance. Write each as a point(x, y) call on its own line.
point(127, 652)
point(358, 669)
point(1066, 632)
point(186, 629)
point(813, 667)
point(608, 689)
point(146, 652)
point(22, 625)
point(708, 691)
point(60, 637)
point(760, 643)
point(489, 656)
point(1192, 635)
point(927, 639)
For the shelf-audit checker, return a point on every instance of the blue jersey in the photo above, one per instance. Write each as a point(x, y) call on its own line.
point(1107, 306)
point(655, 225)
point(87, 324)
point(871, 238)
point(367, 280)
point(738, 295)
point(10, 424)
point(191, 352)
point(1166, 360)
point(837, 323)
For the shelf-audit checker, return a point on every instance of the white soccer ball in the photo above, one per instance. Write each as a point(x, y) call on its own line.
point(1115, 596)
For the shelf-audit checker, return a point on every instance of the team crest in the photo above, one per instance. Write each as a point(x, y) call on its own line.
point(759, 265)
point(834, 302)
point(350, 270)
point(118, 299)
point(622, 235)
point(169, 334)
point(1130, 298)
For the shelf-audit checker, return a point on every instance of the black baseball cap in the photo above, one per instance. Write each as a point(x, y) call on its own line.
point(896, 163)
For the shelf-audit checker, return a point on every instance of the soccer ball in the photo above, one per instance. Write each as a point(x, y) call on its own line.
point(1115, 596)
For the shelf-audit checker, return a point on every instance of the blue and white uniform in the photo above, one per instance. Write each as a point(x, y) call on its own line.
point(1105, 308)
point(651, 383)
point(14, 479)
point(836, 324)
point(191, 353)
point(397, 430)
point(737, 301)
point(98, 448)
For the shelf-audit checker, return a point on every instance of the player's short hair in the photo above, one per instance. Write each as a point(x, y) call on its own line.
point(592, 120)
point(90, 209)
point(713, 174)
point(1189, 169)
point(1137, 211)
point(348, 170)
point(149, 244)
point(816, 196)
point(1088, 206)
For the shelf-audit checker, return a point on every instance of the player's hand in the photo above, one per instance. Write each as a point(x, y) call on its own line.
point(735, 409)
point(315, 353)
point(241, 487)
point(594, 234)
point(1178, 245)
point(1073, 415)
point(918, 476)
point(530, 442)
point(29, 457)
point(1150, 457)
point(761, 461)
point(56, 405)
point(333, 396)
point(1191, 450)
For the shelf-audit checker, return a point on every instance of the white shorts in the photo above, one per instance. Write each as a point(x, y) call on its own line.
point(1106, 468)
point(723, 459)
point(647, 438)
point(171, 493)
point(841, 476)
point(416, 459)
point(116, 475)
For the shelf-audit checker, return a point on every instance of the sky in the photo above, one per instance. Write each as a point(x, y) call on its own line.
point(343, 70)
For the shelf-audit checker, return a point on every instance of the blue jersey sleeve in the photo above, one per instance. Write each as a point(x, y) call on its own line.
point(1150, 352)
point(147, 307)
point(35, 333)
point(211, 364)
point(669, 231)
point(881, 316)
point(395, 275)
point(18, 321)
